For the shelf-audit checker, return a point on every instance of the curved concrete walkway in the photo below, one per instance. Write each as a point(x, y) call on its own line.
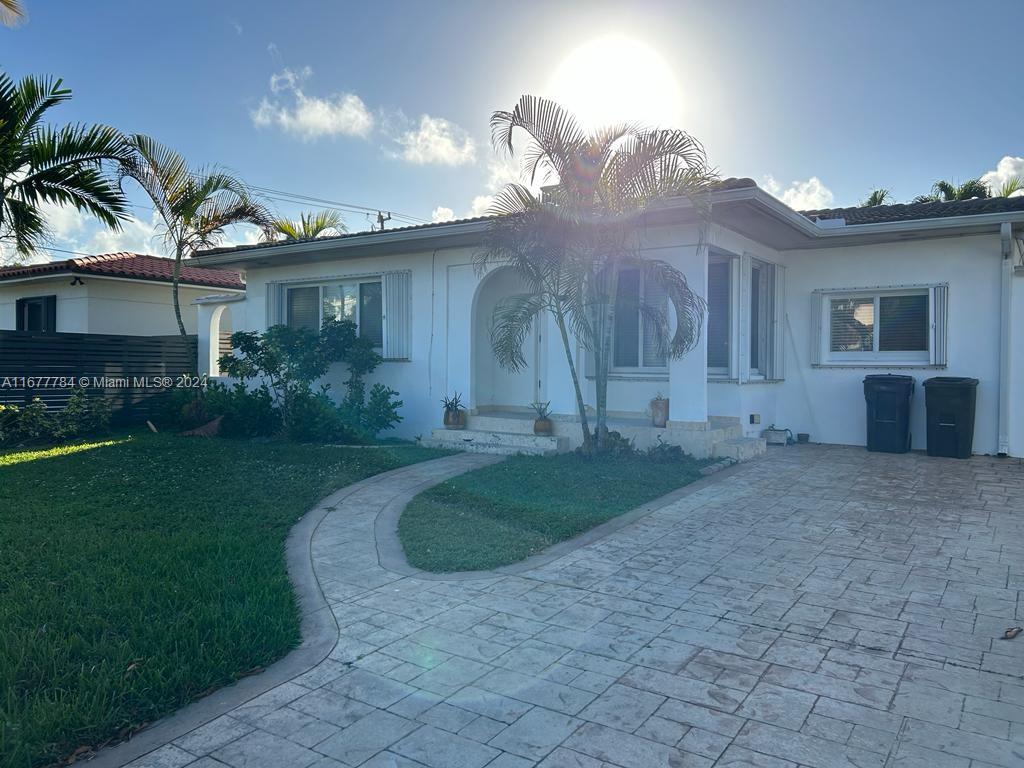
point(821, 606)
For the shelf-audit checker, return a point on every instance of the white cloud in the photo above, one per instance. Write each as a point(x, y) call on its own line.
point(442, 213)
point(311, 117)
point(481, 204)
point(436, 141)
point(1007, 168)
point(136, 236)
point(806, 195)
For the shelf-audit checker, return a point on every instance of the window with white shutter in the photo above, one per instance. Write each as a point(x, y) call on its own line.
point(380, 306)
point(880, 326)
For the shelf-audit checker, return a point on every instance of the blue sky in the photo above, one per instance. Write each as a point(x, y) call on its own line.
point(385, 104)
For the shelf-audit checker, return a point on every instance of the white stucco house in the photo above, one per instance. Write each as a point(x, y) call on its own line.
point(802, 305)
point(115, 293)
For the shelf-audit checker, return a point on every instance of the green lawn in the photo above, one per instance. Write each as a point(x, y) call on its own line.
point(138, 573)
point(506, 512)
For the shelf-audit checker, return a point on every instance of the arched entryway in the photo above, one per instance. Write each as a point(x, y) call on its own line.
point(220, 336)
point(496, 388)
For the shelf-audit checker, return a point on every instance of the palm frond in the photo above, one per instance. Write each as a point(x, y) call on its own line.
point(12, 12)
point(879, 196)
point(1011, 187)
point(511, 323)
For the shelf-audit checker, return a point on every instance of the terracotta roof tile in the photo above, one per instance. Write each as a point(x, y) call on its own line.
point(133, 266)
point(878, 214)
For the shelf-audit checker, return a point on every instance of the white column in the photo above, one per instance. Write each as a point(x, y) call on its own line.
point(688, 375)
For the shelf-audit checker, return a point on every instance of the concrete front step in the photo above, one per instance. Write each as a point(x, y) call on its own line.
point(502, 443)
point(739, 448)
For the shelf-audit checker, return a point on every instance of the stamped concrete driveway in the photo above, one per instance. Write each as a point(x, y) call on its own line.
point(821, 606)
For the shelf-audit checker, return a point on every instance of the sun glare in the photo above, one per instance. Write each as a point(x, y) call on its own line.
point(615, 78)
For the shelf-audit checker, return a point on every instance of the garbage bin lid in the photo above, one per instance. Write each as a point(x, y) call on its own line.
point(950, 381)
point(888, 378)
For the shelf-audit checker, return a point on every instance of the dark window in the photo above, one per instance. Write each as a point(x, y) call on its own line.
point(627, 321)
point(371, 313)
point(38, 314)
point(304, 307)
point(755, 317)
point(718, 314)
point(903, 323)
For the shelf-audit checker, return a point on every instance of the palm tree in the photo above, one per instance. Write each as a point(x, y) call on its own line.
point(309, 226)
point(42, 164)
point(1010, 187)
point(877, 197)
point(571, 246)
point(11, 12)
point(195, 206)
point(947, 191)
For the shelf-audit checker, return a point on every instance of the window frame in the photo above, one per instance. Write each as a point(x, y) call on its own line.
point(322, 283)
point(731, 330)
point(641, 369)
point(929, 357)
point(47, 308)
point(765, 314)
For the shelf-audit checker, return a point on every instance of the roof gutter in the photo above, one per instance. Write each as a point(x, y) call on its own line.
point(1005, 334)
point(367, 240)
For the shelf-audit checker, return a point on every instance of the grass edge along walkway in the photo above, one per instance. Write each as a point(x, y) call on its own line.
point(142, 572)
point(503, 513)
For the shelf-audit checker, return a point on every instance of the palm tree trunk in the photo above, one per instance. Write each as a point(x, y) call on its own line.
point(174, 291)
point(588, 440)
point(603, 360)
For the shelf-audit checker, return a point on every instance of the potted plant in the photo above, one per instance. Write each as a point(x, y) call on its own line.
point(542, 425)
point(659, 411)
point(454, 412)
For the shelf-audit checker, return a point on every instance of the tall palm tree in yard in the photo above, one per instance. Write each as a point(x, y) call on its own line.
point(40, 164)
point(877, 197)
point(309, 226)
point(195, 206)
point(571, 245)
point(948, 191)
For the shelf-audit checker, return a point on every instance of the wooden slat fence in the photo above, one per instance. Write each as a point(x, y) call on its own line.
point(126, 369)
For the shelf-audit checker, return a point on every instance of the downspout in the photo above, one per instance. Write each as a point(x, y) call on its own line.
point(1005, 283)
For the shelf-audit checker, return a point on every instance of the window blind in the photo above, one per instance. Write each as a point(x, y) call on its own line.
point(852, 324)
point(719, 290)
point(655, 297)
point(397, 315)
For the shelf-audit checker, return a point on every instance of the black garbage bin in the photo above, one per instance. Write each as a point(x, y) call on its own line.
point(888, 406)
point(950, 402)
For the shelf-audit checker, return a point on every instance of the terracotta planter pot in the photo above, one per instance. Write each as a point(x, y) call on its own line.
point(455, 419)
point(543, 427)
point(659, 413)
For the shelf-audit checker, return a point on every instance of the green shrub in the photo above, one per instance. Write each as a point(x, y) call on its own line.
point(287, 361)
point(245, 412)
point(35, 423)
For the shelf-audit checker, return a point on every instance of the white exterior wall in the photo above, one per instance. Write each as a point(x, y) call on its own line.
point(449, 337)
point(828, 401)
point(1016, 413)
point(106, 305)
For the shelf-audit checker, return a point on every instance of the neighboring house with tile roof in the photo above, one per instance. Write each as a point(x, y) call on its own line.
point(113, 293)
point(801, 307)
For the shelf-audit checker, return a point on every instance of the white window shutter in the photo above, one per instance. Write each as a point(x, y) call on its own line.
point(940, 318)
point(777, 357)
point(817, 298)
point(397, 315)
point(273, 307)
point(743, 374)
